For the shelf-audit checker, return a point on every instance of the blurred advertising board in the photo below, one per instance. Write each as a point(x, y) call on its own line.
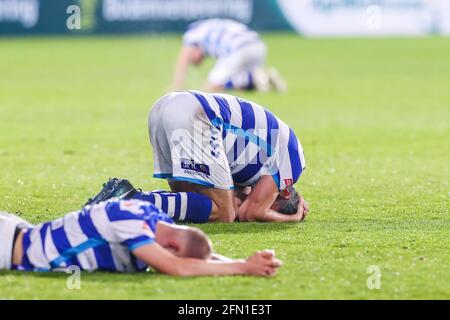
point(307, 17)
point(131, 16)
point(367, 17)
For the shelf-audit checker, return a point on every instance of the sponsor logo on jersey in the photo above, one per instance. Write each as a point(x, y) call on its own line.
point(189, 164)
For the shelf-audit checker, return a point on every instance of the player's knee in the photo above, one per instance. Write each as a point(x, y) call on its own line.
point(224, 215)
point(227, 218)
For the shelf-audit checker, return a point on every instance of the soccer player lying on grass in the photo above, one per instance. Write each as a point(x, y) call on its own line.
point(119, 236)
point(239, 52)
point(235, 152)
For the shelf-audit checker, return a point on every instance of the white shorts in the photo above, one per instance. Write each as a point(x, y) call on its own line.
point(245, 59)
point(8, 225)
point(186, 146)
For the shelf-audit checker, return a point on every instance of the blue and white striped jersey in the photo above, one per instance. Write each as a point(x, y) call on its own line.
point(256, 142)
point(219, 37)
point(100, 237)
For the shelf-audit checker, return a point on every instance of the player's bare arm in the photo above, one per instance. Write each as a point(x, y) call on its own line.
point(261, 263)
point(187, 55)
point(259, 204)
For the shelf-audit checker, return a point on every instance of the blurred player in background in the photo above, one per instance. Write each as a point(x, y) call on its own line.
point(119, 236)
point(239, 52)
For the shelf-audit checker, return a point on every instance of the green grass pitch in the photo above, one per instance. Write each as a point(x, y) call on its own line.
point(372, 115)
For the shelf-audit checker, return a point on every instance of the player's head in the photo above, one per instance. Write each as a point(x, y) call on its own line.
point(195, 244)
point(287, 201)
point(182, 241)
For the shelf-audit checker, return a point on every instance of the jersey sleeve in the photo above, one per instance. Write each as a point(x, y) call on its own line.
point(129, 227)
point(135, 234)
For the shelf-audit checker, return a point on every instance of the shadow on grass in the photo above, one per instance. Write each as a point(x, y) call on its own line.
point(131, 278)
point(241, 228)
point(96, 276)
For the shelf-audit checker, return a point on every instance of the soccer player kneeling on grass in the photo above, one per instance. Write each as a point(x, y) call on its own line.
point(235, 152)
point(239, 52)
point(230, 158)
point(119, 236)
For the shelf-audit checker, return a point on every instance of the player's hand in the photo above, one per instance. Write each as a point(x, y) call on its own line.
point(302, 212)
point(305, 207)
point(262, 263)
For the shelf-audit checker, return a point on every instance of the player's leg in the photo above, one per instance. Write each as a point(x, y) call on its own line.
point(222, 209)
point(264, 78)
point(242, 70)
point(276, 81)
point(180, 206)
point(114, 188)
point(252, 63)
point(227, 74)
point(244, 80)
point(252, 60)
point(250, 73)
